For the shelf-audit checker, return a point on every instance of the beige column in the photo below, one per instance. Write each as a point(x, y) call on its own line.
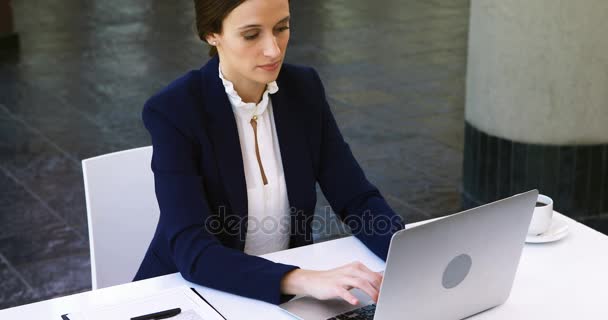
point(538, 70)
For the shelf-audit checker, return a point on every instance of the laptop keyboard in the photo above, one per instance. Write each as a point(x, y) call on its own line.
point(363, 313)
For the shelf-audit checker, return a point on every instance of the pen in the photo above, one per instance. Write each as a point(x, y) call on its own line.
point(159, 315)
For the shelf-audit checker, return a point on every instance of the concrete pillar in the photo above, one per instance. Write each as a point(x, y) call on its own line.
point(8, 37)
point(537, 104)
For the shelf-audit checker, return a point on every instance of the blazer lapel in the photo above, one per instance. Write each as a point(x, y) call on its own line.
point(225, 139)
point(295, 158)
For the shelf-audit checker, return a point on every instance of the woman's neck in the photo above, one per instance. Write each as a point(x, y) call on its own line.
point(249, 91)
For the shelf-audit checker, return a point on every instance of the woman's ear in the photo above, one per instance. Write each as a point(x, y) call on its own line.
point(212, 39)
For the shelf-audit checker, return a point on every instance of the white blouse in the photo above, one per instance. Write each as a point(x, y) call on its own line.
point(268, 226)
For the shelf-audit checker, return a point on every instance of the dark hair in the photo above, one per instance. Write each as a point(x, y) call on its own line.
point(209, 17)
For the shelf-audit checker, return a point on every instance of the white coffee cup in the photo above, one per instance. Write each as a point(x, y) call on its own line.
point(541, 218)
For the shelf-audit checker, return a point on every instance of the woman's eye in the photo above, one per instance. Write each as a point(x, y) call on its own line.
point(250, 36)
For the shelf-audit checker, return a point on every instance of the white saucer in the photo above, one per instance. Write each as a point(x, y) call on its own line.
point(557, 231)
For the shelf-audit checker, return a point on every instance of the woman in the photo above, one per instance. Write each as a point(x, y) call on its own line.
point(239, 146)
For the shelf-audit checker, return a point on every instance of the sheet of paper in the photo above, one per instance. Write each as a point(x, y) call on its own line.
point(193, 307)
point(187, 315)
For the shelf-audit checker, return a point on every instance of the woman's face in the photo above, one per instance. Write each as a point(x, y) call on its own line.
point(253, 40)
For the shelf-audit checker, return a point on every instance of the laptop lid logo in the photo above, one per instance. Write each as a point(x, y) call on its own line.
point(456, 271)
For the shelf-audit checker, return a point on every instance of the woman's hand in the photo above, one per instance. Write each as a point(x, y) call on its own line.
point(333, 283)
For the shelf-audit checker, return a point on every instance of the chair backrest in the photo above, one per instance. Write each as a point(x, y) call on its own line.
point(122, 213)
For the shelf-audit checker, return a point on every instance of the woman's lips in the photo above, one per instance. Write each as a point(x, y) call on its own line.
point(271, 67)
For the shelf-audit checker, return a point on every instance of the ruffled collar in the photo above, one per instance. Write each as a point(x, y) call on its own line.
point(247, 109)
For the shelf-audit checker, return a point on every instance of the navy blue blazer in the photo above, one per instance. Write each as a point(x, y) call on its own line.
point(200, 181)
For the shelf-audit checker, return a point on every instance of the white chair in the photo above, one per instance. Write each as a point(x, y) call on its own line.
point(122, 213)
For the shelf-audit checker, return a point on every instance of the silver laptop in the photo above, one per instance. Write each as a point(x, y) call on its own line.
point(450, 268)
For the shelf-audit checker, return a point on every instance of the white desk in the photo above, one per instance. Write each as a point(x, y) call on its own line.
point(567, 279)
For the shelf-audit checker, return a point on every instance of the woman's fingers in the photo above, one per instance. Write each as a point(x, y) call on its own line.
point(347, 296)
point(361, 271)
point(363, 285)
point(377, 276)
point(337, 282)
point(372, 277)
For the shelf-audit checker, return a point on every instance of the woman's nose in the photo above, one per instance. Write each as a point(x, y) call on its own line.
point(271, 48)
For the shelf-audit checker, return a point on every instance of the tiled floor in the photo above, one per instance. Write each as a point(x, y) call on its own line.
point(393, 70)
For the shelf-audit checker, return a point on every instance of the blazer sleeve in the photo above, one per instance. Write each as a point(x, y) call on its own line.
point(356, 201)
point(197, 253)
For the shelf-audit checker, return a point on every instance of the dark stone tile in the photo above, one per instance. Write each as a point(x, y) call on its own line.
point(327, 225)
point(13, 291)
point(19, 146)
point(31, 231)
point(433, 158)
point(424, 194)
point(447, 129)
point(68, 128)
point(42, 242)
point(369, 139)
point(20, 213)
point(369, 99)
point(396, 109)
point(43, 169)
point(437, 199)
point(405, 211)
point(59, 276)
point(58, 182)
